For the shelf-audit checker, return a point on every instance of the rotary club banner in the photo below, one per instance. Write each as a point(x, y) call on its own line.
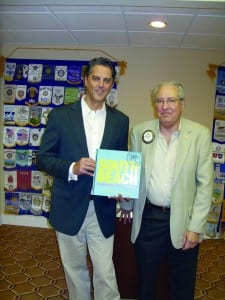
point(32, 88)
point(215, 227)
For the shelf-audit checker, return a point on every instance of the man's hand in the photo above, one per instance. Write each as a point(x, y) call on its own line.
point(125, 215)
point(120, 198)
point(84, 166)
point(190, 240)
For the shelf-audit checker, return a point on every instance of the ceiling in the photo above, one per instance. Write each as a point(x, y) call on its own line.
point(191, 24)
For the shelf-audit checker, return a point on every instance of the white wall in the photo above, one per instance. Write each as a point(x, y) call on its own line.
point(145, 68)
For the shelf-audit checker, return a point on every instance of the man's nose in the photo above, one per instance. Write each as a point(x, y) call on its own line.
point(165, 104)
point(101, 82)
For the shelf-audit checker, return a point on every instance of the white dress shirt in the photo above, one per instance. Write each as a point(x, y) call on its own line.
point(161, 179)
point(94, 125)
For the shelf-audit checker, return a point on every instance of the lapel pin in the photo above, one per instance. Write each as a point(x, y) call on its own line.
point(148, 136)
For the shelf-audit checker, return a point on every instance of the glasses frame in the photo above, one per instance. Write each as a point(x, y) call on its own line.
point(170, 101)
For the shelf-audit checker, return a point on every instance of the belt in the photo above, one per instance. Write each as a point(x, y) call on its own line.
point(163, 208)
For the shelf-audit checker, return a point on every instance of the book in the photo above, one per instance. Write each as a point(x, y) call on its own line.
point(117, 173)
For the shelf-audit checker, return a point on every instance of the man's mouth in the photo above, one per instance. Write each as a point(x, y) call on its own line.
point(99, 92)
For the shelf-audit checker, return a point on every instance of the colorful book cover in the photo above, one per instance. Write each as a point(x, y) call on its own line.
point(117, 172)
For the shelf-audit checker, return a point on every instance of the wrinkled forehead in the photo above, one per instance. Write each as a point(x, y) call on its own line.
point(168, 90)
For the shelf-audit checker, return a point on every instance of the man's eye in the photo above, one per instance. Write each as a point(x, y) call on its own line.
point(171, 100)
point(107, 80)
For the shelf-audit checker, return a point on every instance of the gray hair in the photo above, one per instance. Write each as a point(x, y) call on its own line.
point(177, 84)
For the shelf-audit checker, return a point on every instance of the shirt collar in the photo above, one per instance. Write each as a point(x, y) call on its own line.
point(175, 132)
point(86, 109)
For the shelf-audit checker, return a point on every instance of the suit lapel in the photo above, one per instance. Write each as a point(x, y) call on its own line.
point(183, 148)
point(110, 123)
point(77, 124)
point(149, 150)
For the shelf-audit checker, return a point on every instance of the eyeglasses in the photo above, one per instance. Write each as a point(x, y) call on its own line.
point(170, 101)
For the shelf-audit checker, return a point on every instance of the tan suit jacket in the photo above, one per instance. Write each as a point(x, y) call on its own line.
point(192, 185)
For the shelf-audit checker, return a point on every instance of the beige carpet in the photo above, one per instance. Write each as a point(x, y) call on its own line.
point(30, 267)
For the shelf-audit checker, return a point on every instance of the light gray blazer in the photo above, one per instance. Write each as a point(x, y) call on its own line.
point(193, 178)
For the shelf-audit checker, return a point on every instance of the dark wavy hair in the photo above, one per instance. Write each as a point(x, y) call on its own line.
point(103, 61)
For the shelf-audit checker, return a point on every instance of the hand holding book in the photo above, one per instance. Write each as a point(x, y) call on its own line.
point(120, 198)
point(125, 215)
point(85, 166)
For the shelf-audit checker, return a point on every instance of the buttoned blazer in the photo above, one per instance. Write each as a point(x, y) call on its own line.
point(64, 142)
point(192, 181)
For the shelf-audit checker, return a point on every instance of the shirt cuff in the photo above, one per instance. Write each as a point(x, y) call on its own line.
point(71, 175)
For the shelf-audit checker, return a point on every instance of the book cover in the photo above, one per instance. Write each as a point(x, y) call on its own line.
point(117, 172)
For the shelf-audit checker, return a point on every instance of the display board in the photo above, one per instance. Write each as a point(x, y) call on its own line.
point(32, 88)
point(216, 221)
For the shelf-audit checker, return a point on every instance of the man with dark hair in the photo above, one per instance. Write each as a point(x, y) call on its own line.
point(67, 152)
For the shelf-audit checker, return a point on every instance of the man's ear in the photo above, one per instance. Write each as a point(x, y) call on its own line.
point(85, 81)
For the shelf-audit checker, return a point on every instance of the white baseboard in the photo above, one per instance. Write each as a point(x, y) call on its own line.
point(25, 220)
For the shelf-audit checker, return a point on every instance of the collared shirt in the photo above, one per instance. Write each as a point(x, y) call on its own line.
point(161, 179)
point(94, 125)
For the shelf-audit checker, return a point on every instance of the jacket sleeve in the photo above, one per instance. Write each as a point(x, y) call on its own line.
point(47, 159)
point(204, 185)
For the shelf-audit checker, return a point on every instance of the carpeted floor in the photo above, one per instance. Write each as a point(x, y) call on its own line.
point(30, 267)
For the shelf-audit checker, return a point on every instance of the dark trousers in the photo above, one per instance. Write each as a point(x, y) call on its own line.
point(152, 246)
